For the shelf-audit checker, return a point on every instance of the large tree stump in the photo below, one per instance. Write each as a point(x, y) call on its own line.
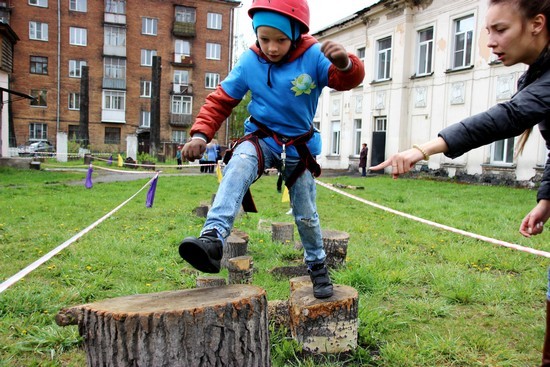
point(223, 326)
point(336, 247)
point(282, 232)
point(299, 282)
point(324, 326)
point(205, 281)
point(234, 246)
point(240, 270)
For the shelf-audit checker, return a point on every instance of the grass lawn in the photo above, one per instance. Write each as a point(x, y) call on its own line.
point(427, 297)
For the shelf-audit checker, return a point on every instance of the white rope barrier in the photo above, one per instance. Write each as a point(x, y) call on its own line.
point(21, 274)
point(438, 225)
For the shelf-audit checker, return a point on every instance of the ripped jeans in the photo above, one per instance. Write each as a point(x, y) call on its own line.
point(240, 173)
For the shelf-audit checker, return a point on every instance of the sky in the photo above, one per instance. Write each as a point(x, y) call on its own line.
point(322, 14)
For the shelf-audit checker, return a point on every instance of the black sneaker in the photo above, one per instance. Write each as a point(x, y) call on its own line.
point(204, 253)
point(322, 286)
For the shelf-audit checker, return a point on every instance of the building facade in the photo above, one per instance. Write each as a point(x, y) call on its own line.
point(116, 43)
point(427, 66)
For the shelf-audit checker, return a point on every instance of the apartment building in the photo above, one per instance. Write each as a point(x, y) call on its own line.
point(427, 66)
point(131, 51)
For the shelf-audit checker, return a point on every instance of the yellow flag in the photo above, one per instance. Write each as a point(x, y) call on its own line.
point(286, 196)
point(219, 173)
point(120, 163)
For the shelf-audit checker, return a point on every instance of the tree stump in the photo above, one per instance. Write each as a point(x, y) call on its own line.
point(277, 311)
point(325, 326)
point(205, 281)
point(234, 246)
point(240, 270)
point(299, 282)
point(201, 210)
point(224, 326)
point(336, 247)
point(241, 234)
point(282, 232)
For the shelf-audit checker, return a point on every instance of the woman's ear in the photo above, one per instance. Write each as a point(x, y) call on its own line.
point(538, 24)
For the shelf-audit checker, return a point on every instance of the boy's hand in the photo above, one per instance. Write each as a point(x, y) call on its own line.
point(336, 53)
point(194, 149)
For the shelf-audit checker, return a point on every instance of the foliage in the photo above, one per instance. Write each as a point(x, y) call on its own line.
point(427, 297)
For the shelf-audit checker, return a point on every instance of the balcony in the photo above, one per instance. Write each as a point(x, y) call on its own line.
point(183, 60)
point(111, 83)
point(114, 18)
point(181, 120)
point(185, 89)
point(184, 29)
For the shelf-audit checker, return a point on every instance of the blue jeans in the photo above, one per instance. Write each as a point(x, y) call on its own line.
point(240, 173)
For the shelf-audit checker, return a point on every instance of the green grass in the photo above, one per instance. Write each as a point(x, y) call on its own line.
point(427, 297)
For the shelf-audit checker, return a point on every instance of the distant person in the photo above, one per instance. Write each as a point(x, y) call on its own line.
point(286, 71)
point(519, 32)
point(178, 156)
point(363, 159)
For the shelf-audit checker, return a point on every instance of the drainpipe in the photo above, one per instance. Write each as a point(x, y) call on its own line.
point(58, 67)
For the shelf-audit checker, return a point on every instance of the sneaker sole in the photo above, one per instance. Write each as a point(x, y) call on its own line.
point(195, 255)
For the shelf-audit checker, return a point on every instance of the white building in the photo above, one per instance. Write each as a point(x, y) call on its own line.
point(427, 66)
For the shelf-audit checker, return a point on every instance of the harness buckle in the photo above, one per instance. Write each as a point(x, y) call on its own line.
point(283, 159)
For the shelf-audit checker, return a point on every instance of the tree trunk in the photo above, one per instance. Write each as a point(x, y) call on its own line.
point(324, 326)
point(336, 247)
point(205, 281)
point(282, 232)
point(234, 246)
point(222, 326)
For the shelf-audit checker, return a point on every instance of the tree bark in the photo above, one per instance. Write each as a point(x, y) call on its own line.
point(282, 232)
point(234, 246)
point(222, 326)
point(336, 247)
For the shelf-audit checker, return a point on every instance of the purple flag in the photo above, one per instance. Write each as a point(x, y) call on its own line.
point(151, 192)
point(110, 160)
point(88, 183)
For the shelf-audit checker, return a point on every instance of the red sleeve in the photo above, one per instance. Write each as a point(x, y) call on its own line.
point(346, 80)
point(214, 111)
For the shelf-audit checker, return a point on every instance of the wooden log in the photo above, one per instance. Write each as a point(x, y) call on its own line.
point(234, 246)
point(224, 326)
point(299, 282)
point(278, 315)
point(240, 270)
point(336, 247)
point(325, 326)
point(241, 234)
point(205, 281)
point(282, 232)
point(201, 211)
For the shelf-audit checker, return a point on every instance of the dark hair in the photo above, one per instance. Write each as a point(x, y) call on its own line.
point(529, 8)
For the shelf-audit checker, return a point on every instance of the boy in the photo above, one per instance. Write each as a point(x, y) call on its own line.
point(286, 71)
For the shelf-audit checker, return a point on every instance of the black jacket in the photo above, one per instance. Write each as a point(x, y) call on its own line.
point(529, 106)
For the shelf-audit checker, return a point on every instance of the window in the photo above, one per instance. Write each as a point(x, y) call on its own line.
point(335, 138)
point(214, 21)
point(185, 15)
point(145, 119)
point(114, 68)
point(38, 131)
point(181, 77)
point(383, 61)
point(114, 36)
point(112, 135)
point(114, 100)
point(78, 5)
point(38, 31)
point(179, 136)
point(145, 88)
point(213, 51)
point(357, 123)
point(182, 49)
point(147, 57)
point(360, 53)
point(78, 36)
point(74, 101)
point(149, 26)
point(181, 105)
point(425, 51)
point(503, 151)
point(40, 97)
point(75, 68)
point(211, 80)
point(463, 38)
point(41, 3)
point(39, 65)
point(115, 6)
point(380, 123)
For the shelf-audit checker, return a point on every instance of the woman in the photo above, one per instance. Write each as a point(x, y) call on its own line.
point(519, 32)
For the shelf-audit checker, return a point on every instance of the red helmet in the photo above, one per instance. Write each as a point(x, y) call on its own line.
point(295, 9)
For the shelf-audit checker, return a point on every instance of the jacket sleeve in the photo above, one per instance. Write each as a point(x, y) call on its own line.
point(544, 188)
point(346, 80)
point(216, 109)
